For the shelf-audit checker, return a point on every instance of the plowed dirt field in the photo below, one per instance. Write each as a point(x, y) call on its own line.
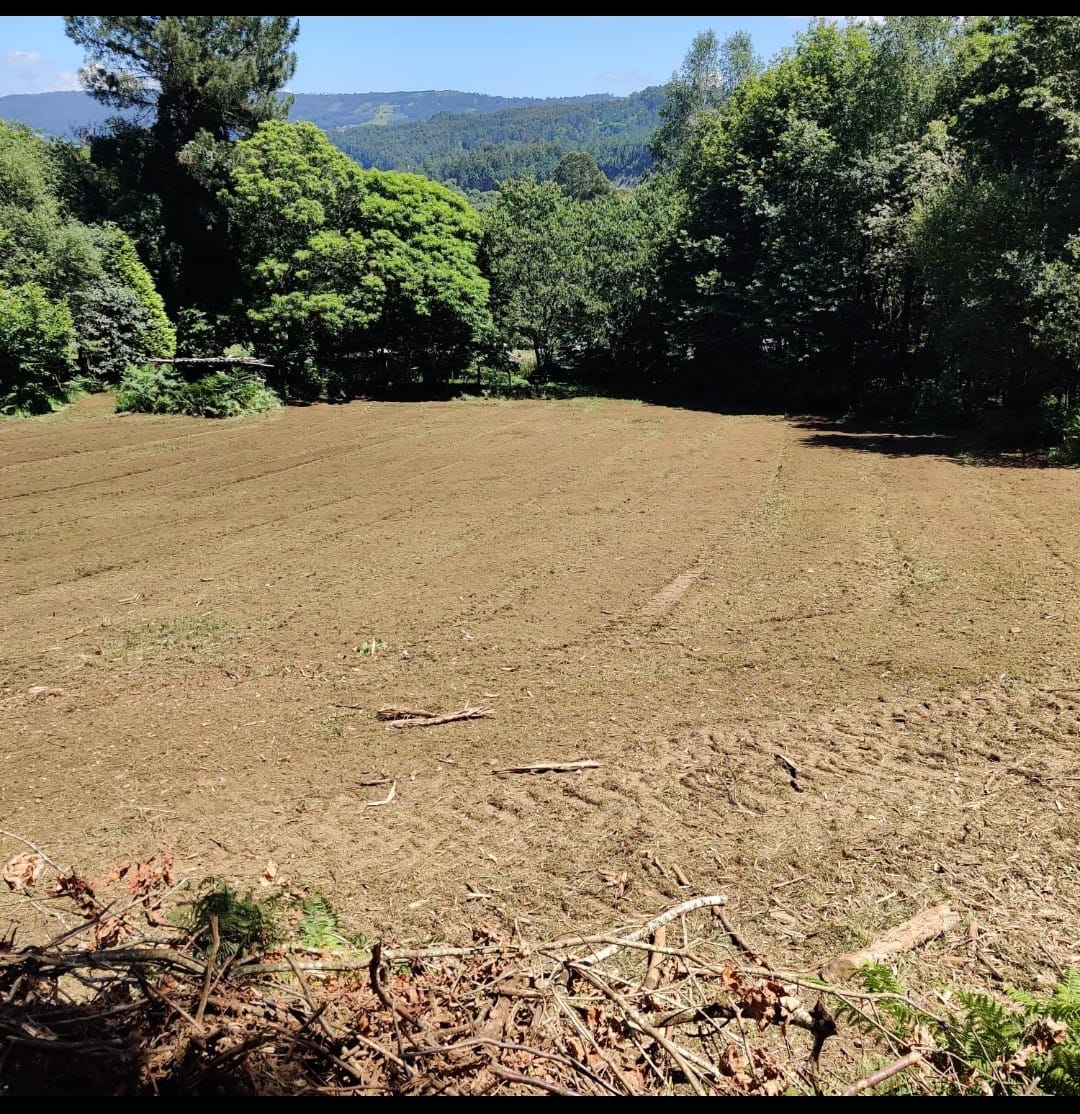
point(833, 676)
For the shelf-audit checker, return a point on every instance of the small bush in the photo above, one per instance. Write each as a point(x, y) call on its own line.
point(230, 393)
point(1062, 422)
point(37, 350)
point(226, 394)
point(149, 389)
point(242, 925)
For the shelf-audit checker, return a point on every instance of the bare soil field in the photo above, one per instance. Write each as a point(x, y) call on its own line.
point(834, 677)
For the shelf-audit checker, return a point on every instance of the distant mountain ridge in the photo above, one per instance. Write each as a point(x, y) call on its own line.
point(476, 151)
point(470, 140)
point(63, 114)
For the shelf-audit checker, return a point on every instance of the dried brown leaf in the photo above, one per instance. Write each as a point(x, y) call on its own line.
point(24, 870)
point(119, 872)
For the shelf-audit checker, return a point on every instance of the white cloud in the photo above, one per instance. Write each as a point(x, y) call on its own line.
point(28, 71)
point(19, 59)
point(66, 82)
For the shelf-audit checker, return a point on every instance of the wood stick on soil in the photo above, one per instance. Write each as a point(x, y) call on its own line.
point(679, 1055)
point(392, 711)
point(468, 712)
point(739, 942)
point(788, 765)
point(920, 929)
point(541, 1084)
point(384, 800)
point(549, 767)
point(652, 974)
point(872, 1080)
point(215, 944)
point(654, 924)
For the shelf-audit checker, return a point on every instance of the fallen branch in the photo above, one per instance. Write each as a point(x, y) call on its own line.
point(542, 1084)
point(753, 955)
point(549, 767)
point(680, 1055)
point(653, 971)
point(392, 711)
point(384, 800)
point(920, 929)
point(468, 712)
point(651, 926)
point(872, 1080)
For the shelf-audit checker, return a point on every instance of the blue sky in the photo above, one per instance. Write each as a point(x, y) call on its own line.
point(509, 56)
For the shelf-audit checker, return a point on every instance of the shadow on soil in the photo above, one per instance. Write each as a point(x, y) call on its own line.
point(837, 431)
point(823, 429)
point(898, 439)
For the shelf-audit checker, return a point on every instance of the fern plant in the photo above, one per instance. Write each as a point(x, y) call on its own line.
point(244, 924)
point(986, 1046)
point(1057, 1058)
point(320, 926)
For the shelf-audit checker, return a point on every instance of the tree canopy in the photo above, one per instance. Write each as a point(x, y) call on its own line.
point(198, 84)
point(881, 220)
point(355, 274)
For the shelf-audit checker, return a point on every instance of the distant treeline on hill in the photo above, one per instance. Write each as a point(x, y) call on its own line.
point(478, 151)
point(471, 139)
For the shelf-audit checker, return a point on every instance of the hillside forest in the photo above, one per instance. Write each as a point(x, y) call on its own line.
point(883, 222)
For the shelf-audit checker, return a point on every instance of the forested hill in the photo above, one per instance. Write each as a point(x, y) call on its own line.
point(478, 151)
point(468, 138)
point(62, 114)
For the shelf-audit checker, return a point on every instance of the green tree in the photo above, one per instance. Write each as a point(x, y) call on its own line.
point(576, 280)
point(356, 274)
point(805, 191)
point(711, 72)
point(579, 177)
point(998, 247)
point(92, 271)
point(532, 254)
point(619, 327)
point(37, 349)
point(195, 84)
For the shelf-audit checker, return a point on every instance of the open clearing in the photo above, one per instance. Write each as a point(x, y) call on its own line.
point(201, 620)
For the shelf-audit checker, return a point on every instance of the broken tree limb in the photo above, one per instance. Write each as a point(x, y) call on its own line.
point(920, 929)
point(468, 712)
point(868, 1081)
point(549, 767)
point(385, 800)
point(392, 711)
point(787, 764)
point(653, 972)
point(790, 768)
point(653, 925)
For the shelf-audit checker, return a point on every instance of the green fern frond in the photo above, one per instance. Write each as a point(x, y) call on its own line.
point(1060, 1072)
point(243, 923)
point(877, 978)
point(320, 926)
point(987, 1033)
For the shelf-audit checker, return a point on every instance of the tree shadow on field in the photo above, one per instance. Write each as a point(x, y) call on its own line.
point(909, 439)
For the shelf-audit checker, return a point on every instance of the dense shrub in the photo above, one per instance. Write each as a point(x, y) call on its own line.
point(159, 389)
point(37, 350)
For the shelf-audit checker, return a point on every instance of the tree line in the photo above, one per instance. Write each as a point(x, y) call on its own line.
point(476, 152)
point(882, 220)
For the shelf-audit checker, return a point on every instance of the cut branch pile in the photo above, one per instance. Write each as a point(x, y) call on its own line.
point(676, 1005)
